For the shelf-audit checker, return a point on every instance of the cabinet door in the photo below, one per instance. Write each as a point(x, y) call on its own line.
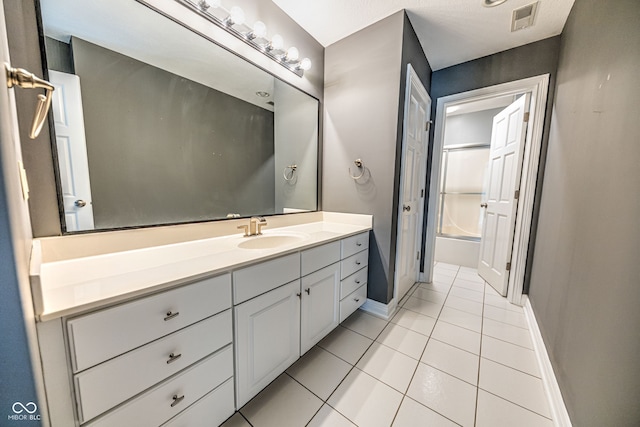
point(267, 338)
point(320, 305)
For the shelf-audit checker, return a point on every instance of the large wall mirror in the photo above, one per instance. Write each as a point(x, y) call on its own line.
point(155, 124)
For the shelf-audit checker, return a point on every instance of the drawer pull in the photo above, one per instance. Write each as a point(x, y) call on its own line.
point(308, 291)
point(358, 244)
point(357, 262)
point(356, 299)
point(357, 282)
point(299, 295)
point(176, 400)
point(173, 357)
point(171, 315)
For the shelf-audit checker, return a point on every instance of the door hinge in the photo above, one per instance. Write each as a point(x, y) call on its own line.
point(516, 195)
point(418, 257)
point(427, 126)
point(526, 117)
point(23, 181)
point(508, 268)
point(422, 193)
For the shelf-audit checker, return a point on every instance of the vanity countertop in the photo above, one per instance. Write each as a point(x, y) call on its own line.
point(67, 286)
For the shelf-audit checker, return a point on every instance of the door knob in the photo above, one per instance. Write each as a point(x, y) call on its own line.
point(406, 208)
point(483, 205)
point(80, 203)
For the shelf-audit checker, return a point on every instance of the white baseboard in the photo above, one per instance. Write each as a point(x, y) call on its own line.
point(385, 311)
point(558, 408)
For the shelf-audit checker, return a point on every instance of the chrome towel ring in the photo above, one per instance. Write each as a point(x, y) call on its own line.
point(360, 164)
point(291, 174)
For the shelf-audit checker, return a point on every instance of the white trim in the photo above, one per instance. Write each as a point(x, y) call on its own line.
point(558, 409)
point(412, 81)
point(385, 311)
point(538, 87)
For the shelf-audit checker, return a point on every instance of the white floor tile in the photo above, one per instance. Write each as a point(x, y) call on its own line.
point(509, 333)
point(404, 340)
point(283, 402)
point(436, 286)
point(493, 411)
point(415, 321)
point(389, 366)
point(423, 307)
point(365, 401)
point(512, 355)
point(236, 421)
point(457, 337)
point(514, 386)
point(445, 394)
point(505, 316)
point(470, 276)
point(443, 278)
point(346, 344)
point(414, 414)
point(459, 363)
point(468, 270)
point(444, 272)
point(467, 294)
point(461, 318)
point(365, 324)
point(431, 296)
point(329, 417)
point(464, 305)
point(488, 290)
point(319, 371)
point(501, 302)
point(472, 286)
point(445, 266)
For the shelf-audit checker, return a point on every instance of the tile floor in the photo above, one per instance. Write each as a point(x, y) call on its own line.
point(455, 353)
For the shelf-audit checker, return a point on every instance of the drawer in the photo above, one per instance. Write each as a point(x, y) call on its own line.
point(353, 282)
point(352, 302)
point(354, 244)
point(257, 279)
point(100, 336)
point(158, 405)
point(354, 263)
point(212, 410)
point(108, 384)
point(316, 258)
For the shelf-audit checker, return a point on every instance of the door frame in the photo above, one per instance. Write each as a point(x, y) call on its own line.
point(412, 78)
point(538, 87)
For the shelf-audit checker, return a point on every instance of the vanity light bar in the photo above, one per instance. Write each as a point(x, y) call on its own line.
point(233, 21)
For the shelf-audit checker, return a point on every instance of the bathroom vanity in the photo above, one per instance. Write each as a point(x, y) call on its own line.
point(192, 330)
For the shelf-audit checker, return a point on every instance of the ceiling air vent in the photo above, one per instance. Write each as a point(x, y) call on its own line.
point(524, 16)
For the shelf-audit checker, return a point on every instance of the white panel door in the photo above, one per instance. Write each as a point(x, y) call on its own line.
point(505, 166)
point(412, 179)
point(72, 151)
point(267, 339)
point(320, 305)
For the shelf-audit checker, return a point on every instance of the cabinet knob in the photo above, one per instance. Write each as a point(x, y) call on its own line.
point(483, 205)
point(173, 357)
point(357, 262)
point(171, 315)
point(358, 244)
point(308, 291)
point(357, 282)
point(299, 295)
point(356, 299)
point(176, 400)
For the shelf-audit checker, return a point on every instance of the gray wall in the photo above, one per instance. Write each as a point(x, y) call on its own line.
point(514, 64)
point(585, 278)
point(174, 142)
point(363, 88)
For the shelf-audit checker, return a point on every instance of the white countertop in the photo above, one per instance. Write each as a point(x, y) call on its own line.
point(71, 286)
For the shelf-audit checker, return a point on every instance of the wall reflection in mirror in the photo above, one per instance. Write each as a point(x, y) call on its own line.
point(155, 124)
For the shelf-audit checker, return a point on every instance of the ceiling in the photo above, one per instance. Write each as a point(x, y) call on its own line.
point(450, 31)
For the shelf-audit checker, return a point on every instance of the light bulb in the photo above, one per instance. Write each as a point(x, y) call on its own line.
point(305, 64)
point(236, 16)
point(276, 42)
point(259, 29)
point(292, 54)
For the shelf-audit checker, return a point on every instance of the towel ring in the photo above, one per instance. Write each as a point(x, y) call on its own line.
point(360, 164)
point(293, 171)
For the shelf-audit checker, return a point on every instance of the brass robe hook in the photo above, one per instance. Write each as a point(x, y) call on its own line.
point(26, 80)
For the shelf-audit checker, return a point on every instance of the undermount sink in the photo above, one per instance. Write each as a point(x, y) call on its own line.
point(270, 241)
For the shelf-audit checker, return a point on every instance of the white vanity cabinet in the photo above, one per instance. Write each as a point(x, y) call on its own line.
point(353, 272)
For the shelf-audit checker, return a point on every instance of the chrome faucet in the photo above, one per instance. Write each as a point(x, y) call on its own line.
point(255, 226)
